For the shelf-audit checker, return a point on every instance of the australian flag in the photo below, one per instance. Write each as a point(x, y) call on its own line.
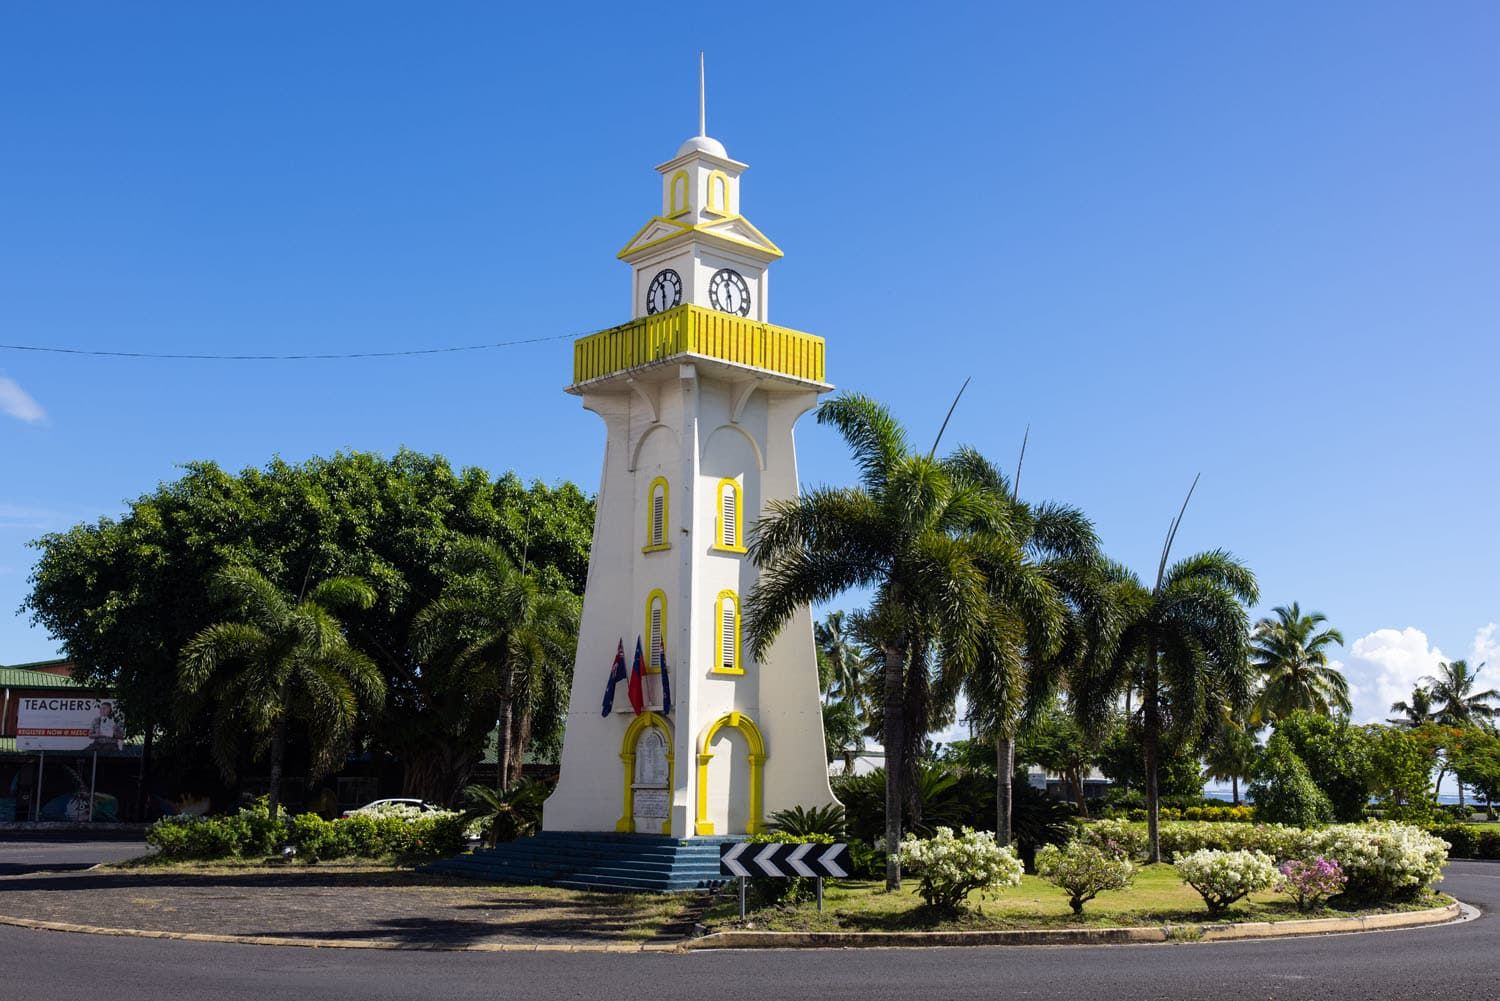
point(616, 675)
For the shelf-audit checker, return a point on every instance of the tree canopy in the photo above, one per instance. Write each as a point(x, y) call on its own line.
point(125, 594)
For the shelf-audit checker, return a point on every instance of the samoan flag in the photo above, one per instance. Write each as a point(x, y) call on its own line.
point(637, 681)
point(616, 675)
point(666, 685)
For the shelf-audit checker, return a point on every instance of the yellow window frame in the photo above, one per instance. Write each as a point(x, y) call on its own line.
point(651, 666)
point(738, 546)
point(736, 666)
point(653, 546)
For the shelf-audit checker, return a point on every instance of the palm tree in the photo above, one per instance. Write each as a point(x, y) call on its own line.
point(1454, 701)
point(1033, 644)
point(1183, 645)
point(918, 535)
point(281, 660)
point(1414, 713)
point(507, 635)
point(1291, 654)
point(840, 657)
point(1231, 756)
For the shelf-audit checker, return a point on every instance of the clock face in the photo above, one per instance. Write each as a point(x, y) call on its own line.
point(728, 292)
point(664, 292)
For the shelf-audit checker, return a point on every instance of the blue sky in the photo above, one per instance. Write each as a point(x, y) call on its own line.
point(1253, 241)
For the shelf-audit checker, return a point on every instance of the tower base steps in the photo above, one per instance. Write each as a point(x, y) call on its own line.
point(586, 860)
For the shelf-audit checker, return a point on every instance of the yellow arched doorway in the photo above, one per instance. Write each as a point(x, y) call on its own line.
point(648, 738)
point(757, 755)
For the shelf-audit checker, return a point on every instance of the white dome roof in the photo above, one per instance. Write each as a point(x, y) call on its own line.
point(703, 144)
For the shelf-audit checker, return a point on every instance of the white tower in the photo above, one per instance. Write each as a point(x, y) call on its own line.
point(698, 395)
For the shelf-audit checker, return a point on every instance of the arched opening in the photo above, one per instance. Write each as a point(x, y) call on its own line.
point(718, 192)
point(747, 791)
point(678, 194)
point(646, 753)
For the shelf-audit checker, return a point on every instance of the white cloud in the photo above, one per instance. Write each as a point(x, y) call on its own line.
point(16, 402)
point(1384, 666)
point(1486, 646)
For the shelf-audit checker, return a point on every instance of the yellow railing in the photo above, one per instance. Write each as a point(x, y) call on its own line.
point(699, 331)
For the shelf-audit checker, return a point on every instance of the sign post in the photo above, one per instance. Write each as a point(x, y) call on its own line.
point(782, 860)
point(41, 771)
point(94, 780)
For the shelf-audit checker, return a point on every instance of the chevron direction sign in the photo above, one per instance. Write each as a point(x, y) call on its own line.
point(779, 860)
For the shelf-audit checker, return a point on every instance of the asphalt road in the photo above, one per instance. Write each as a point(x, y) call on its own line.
point(20, 857)
point(1456, 963)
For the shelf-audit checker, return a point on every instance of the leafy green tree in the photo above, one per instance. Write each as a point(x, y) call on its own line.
point(1291, 653)
point(501, 631)
point(1231, 756)
point(919, 535)
point(1476, 762)
point(1337, 756)
point(1053, 740)
point(1183, 645)
point(1398, 771)
point(281, 661)
point(124, 595)
point(1454, 699)
point(1123, 762)
point(1283, 791)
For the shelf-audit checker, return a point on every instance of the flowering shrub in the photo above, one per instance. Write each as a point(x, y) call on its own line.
point(1221, 878)
point(953, 866)
point(1310, 882)
point(1116, 836)
point(1383, 860)
point(1084, 871)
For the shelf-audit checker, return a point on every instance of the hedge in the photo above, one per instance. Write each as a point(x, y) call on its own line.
point(252, 833)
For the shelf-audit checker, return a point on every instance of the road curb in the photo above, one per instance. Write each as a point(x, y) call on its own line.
point(825, 940)
point(1077, 936)
point(340, 943)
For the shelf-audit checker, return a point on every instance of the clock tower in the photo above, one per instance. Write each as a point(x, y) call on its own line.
point(699, 394)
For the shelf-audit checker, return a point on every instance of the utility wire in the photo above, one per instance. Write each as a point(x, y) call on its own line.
point(154, 355)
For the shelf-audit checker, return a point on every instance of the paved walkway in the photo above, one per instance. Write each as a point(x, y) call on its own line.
point(340, 904)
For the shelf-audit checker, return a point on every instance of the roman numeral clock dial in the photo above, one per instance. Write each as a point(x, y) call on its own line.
point(664, 292)
point(728, 292)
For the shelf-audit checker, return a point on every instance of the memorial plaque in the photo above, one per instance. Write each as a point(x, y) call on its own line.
point(651, 759)
point(652, 804)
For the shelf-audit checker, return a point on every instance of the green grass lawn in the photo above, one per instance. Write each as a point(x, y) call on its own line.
point(1157, 897)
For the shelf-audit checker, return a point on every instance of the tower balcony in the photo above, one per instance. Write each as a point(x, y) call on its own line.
point(690, 333)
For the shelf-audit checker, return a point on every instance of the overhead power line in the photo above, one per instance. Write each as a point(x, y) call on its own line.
point(332, 356)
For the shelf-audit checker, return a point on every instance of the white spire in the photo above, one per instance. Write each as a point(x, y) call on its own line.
point(702, 114)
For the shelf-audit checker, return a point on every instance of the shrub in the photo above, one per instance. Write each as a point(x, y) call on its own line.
point(169, 836)
point(951, 867)
point(1116, 836)
point(1084, 871)
point(818, 820)
point(1221, 878)
point(315, 838)
point(1284, 791)
point(1310, 882)
point(1384, 860)
point(1468, 841)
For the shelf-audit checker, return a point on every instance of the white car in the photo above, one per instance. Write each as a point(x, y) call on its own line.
point(378, 804)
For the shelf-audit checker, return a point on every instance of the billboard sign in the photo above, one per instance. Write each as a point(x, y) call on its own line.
point(68, 723)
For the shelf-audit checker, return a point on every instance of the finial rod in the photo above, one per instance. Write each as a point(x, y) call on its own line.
point(702, 115)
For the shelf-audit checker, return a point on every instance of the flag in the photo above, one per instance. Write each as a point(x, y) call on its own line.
point(637, 696)
point(666, 685)
point(616, 675)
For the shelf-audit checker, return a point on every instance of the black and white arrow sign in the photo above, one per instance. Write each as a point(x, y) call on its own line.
point(780, 860)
